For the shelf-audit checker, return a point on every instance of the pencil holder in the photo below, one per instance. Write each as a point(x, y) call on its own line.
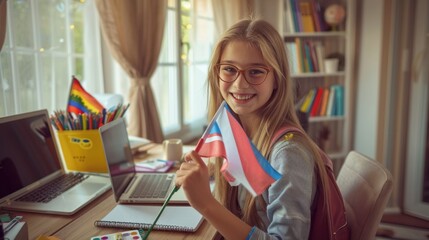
point(83, 151)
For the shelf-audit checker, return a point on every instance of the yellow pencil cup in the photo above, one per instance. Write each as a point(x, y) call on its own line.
point(83, 151)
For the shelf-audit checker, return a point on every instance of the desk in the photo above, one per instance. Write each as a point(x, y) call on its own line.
point(81, 225)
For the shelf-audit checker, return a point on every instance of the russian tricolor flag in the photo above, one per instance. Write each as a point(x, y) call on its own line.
point(243, 163)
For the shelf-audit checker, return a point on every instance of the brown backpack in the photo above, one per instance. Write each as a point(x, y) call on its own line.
point(328, 217)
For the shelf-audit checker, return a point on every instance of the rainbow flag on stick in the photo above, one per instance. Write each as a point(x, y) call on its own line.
point(243, 163)
point(80, 101)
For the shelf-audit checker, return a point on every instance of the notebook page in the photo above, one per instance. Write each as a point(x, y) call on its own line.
point(174, 218)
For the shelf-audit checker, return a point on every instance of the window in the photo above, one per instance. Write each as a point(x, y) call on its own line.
point(179, 82)
point(47, 41)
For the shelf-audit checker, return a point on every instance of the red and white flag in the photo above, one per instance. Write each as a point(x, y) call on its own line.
point(243, 163)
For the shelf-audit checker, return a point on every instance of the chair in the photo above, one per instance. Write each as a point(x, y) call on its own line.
point(366, 186)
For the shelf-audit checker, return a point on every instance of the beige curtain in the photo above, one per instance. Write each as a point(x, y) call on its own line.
point(228, 12)
point(133, 31)
point(2, 21)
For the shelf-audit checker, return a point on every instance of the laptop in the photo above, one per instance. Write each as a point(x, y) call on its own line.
point(32, 177)
point(128, 185)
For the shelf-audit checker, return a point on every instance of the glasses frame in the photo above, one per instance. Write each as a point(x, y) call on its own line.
point(240, 72)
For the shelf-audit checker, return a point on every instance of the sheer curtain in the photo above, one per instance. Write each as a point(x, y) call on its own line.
point(133, 31)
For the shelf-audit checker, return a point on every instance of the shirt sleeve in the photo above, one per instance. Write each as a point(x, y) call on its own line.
point(289, 199)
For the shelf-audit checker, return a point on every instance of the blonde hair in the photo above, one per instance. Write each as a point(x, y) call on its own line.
point(277, 112)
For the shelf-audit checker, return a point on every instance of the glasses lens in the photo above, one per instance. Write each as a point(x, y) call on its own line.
point(227, 73)
point(256, 75)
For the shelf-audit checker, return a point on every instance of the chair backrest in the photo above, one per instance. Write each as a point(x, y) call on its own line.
point(366, 186)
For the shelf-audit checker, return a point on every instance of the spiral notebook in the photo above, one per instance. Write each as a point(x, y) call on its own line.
point(174, 218)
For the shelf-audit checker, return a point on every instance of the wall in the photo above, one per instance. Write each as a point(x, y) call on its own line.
point(369, 21)
point(271, 11)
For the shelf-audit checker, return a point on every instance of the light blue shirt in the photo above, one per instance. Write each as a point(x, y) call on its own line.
point(289, 199)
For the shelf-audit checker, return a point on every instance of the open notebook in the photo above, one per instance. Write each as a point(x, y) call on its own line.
point(174, 218)
point(31, 175)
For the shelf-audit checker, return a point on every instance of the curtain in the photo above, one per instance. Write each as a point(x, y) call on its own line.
point(227, 12)
point(133, 31)
point(3, 9)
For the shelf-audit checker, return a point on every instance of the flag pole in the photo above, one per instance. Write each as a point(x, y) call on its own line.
point(70, 91)
point(160, 211)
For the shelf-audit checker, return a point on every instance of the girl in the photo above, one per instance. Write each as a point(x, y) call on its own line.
point(249, 70)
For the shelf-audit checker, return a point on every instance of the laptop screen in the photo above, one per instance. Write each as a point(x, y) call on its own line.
point(27, 152)
point(118, 155)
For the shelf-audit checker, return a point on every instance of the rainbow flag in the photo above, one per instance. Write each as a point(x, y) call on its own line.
point(243, 163)
point(80, 101)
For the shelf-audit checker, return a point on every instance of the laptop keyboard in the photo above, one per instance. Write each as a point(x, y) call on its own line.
point(54, 188)
point(153, 186)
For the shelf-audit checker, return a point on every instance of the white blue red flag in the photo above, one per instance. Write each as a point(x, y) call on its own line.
point(243, 163)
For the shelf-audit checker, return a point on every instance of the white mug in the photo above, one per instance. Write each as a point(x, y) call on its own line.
point(331, 65)
point(173, 149)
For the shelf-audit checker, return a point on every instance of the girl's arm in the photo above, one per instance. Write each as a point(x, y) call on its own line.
point(193, 177)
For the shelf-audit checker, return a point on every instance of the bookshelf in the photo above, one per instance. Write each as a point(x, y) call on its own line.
point(330, 129)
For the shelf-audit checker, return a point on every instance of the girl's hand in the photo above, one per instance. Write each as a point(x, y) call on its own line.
point(193, 177)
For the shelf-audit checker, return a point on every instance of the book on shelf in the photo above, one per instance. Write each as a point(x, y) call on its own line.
point(293, 57)
point(331, 98)
point(306, 16)
point(299, 103)
point(299, 55)
point(313, 56)
point(324, 105)
point(306, 105)
point(315, 109)
point(339, 100)
point(289, 21)
point(318, 16)
point(307, 57)
point(320, 54)
point(296, 15)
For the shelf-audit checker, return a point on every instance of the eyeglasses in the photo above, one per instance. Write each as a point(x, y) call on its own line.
point(253, 75)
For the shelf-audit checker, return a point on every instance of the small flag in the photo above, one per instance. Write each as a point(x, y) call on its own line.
point(80, 101)
point(243, 163)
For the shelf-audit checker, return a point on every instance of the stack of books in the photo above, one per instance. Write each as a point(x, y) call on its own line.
point(320, 101)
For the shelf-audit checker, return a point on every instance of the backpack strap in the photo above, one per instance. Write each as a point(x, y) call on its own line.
point(283, 131)
point(328, 214)
point(288, 128)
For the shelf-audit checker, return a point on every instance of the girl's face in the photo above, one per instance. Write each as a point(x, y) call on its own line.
point(245, 99)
